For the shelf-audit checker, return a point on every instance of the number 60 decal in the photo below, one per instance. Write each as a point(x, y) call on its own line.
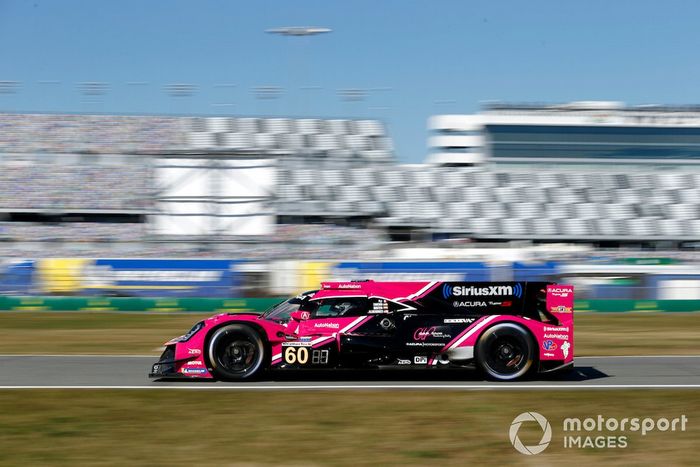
point(294, 355)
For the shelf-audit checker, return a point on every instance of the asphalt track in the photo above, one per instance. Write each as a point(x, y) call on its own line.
point(129, 372)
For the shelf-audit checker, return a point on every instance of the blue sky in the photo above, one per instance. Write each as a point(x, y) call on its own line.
point(416, 58)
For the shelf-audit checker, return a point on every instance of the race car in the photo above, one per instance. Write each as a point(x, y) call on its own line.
point(506, 329)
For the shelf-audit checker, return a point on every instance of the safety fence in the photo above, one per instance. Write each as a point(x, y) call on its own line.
point(256, 305)
point(133, 304)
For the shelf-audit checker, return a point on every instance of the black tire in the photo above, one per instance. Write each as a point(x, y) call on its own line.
point(506, 352)
point(236, 352)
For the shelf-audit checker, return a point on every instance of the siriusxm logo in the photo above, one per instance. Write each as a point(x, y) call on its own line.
point(490, 290)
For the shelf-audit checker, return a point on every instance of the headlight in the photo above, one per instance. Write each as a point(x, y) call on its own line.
point(195, 329)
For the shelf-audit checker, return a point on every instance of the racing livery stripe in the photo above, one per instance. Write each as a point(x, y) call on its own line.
point(464, 335)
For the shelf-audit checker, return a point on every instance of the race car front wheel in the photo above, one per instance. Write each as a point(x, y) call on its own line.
point(505, 352)
point(236, 352)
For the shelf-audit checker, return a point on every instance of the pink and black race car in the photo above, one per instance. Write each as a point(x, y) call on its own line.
point(508, 329)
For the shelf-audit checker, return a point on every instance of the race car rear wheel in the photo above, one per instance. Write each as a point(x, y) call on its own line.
point(505, 352)
point(236, 352)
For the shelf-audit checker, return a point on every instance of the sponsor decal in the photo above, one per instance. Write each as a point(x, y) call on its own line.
point(560, 309)
point(195, 363)
point(349, 286)
point(420, 360)
point(459, 320)
point(458, 304)
point(194, 371)
point(297, 344)
point(549, 345)
point(565, 349)
point(560, 291)
point(422, 334)
point(403, 362)
point(327, 325)
point(490, 290)
point(304, 338)
point(548, 354)
point(305, 315)
point(425, 344)
point(564, 337)
point(194, 351)
point(556, 328)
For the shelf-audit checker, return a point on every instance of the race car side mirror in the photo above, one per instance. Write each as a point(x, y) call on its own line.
point(299, 315)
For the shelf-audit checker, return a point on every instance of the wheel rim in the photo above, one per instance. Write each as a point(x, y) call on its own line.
point(238, 355)
point(508, 355)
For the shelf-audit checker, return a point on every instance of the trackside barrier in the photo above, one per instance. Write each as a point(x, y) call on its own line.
point(623, 306)
point(134, 304)
point(240, 305)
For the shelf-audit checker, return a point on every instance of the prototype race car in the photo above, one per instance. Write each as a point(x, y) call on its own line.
point(508, 329)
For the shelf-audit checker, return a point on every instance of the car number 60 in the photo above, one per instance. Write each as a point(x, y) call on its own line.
point(298, 355)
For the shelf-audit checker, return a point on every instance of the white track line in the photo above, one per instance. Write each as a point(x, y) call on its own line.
point(157, 355)
point(378, 386)
point(79, 355)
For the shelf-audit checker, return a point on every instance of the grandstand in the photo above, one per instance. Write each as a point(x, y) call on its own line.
point(86, 185)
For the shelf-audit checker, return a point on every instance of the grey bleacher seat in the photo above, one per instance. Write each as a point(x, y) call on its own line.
point(219, 124)
point(322, 192)
point(337, 127)
point(527, 210)
point(485, 226)
point(352, 193)
point(493, 210)
point(363, 176)
point(694, 228)
point(671, 227)
point(545, 227)
point(264, 141)
point(355, 142)
point(535, 194)
point(461, 210)
point(574, 227)
point(444, 194)
point(324, 142)
point(277, 126)
point(476, 194)
point(682, 211)
point(618, 211)
point(308, 126)
point(292, 141)
point(515, 226)
point(375, 155)
point(416, 194)
point(690, 195)
point(200, 140)
point(393, 177)
point(368, 128)
point(558, 211)
point(334, 178)
point(453, 179)
point(449, 223)
point(238, 141)
point(586, 210)
point(643, 226)
point(247, 125)
point(290, 192)
point(401, 209)
point(370, 207)
point(545, 179)
point(385, 193)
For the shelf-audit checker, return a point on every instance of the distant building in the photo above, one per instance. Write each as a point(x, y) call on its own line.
point(578, 132)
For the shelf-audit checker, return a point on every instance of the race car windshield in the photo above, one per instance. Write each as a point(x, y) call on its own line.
point(282, 310)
